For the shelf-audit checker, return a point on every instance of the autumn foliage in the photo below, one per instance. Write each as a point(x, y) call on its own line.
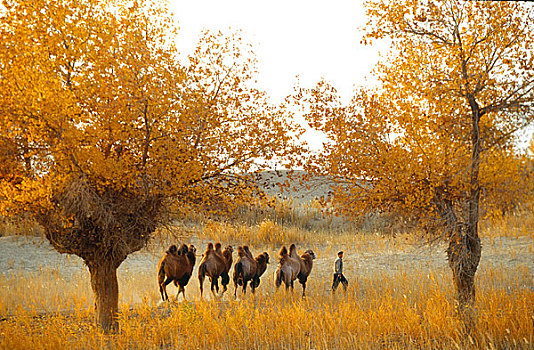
point(103, 128)
point(435, 139)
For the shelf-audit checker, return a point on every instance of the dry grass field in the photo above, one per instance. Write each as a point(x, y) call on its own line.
point(400, 296)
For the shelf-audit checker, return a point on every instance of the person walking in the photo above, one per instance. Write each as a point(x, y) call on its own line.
point(338, 273)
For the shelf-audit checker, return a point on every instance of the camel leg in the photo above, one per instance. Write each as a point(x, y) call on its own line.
point(255, 282)
point(201, 283)
point(235, 289)
point(292, 287)
point(245, 282)
point(253, 285)
point(303, 289)
point(215, 286)
point(225, 279)
point(163, 288)
point(162, 291)
point(182, 290)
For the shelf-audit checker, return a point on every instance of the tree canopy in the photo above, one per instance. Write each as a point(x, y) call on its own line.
point(103, 128)
point(437, 137)
point(406, 145)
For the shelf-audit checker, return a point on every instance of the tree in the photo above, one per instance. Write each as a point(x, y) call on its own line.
point(102, 129)
point(436, 138)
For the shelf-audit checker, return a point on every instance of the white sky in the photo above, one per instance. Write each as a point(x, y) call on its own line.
point(310, 39)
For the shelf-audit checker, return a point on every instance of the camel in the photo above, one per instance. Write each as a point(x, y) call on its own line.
point(306, 265)
point(225, 277)
point(176, 266)
point(262, 260)
point(245, 269)
point(214, 264)
point(248, 269)
point(292, 266)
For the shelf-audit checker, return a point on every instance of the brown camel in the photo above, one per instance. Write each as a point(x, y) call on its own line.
point(306, 265)
point(228, 258)
point(215, 264)
point(292, 266)
point(177, 266)
point(248, 269)
point(245, 269)
point(262, 260)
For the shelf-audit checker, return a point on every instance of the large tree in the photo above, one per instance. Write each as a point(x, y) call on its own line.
point(436, 138)
point(102, 129)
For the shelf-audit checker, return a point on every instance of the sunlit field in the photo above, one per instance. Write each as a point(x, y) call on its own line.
point(400, 296)
point(154, 138)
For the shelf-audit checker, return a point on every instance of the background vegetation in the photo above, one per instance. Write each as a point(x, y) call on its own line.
point(112, 148)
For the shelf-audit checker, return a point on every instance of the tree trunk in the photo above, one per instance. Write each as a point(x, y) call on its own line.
point(106, 290)
point(464, 246)
point(464, 255)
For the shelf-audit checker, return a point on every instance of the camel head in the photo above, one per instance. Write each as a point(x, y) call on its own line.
point(310, 253)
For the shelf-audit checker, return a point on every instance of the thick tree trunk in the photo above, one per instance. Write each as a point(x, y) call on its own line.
point(464, 255)
point(106, 290)
point(464, 246)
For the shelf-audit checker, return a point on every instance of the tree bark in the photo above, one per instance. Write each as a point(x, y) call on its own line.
point(464, 253)
point(106, 290)
point(464, 249)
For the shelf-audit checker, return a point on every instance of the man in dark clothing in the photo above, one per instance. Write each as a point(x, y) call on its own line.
point(338, 273)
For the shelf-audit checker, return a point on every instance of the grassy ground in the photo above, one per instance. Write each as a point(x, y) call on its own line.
point(400, 295)
point(407, 309)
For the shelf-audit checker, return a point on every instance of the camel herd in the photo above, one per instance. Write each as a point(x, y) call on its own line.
point(177, 266)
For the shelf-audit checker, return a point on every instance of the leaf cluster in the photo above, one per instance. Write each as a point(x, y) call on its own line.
point(406, 146)
point(103, 127)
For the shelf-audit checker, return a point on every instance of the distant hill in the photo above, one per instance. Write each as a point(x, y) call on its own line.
point(298, 190)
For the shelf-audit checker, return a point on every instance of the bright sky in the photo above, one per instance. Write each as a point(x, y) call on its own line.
point(310, 39)
point(307, 38)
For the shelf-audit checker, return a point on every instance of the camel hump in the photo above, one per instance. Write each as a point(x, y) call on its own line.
point(283, 252)
point(240, 252)
point(183, 249)
point(172, 249)
point(218, 246)
point(209, 249)
point(293, 251)
point(247, 250)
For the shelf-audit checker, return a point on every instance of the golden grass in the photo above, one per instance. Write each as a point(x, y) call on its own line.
point(392, 307)
point(516, 224)
point(21, 225)
point(266, 232)
point(408, 308)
